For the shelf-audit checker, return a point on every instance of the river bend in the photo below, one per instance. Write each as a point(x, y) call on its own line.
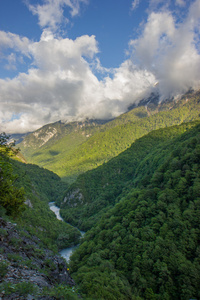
point(65, 253)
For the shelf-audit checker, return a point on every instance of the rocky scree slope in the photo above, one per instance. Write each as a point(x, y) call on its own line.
point(28, 271)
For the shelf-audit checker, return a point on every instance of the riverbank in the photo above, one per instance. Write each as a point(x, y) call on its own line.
point(67, 252)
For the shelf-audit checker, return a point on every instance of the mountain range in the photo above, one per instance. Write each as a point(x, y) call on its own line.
point(73, 148)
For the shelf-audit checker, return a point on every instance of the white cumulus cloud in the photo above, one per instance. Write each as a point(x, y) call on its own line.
point(171, 51)
point(61, 85)
point(50, 14)
point(61, 81)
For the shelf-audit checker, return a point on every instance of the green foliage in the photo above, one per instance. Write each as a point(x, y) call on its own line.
point(42, 186)
point(16, 242)
point(41, 182)
point(49, 265)
point(22, 288)
point(20, 182)
point(65, 138)
point(11, 198)
point(14, 257)
point(3, 233)
point(3, 269)
point(96, 191)
point(147, 245)
point(62, 292)
point(6, 146)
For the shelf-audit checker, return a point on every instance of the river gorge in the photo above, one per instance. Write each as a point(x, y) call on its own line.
point(65, 253)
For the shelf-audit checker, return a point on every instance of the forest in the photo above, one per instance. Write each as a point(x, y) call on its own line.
point(147, 245)
point(25, 183)
point(97, 190)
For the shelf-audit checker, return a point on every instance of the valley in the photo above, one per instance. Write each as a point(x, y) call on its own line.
point(99, 150)
point(131, 183)
point(143, 213)
point(67, 252)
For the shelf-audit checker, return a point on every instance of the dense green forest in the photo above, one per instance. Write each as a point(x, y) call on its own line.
point(81, 147)
point(41, 187)
point(97, 190)
point(147, 245)
point(26, 191)
point(11, 198)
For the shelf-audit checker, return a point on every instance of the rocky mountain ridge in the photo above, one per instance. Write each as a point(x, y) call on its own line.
point(51, 133)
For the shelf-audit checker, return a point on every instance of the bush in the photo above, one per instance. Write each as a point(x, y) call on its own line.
point(61, 292)
point(3, 268)
point(21, 288)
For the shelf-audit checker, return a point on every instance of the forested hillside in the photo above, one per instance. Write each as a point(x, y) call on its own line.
point(26, 191)
point(30, 234)
point(71, 149)
point(97, 190)
point(41, 187)
point(49, 144)
point(147, 245)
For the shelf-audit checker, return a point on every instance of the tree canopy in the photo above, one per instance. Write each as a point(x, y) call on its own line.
point(147, 245)
point(11, 197)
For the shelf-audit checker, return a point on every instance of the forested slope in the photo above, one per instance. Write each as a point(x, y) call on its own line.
point(26, 191)
point(97, 190)
point(147, 245)
point(42, 186)
point(91, 146)
point(48, 145)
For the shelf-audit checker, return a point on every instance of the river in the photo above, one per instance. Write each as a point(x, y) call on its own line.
point(65, 253)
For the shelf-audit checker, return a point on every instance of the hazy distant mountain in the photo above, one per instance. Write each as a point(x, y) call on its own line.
point(19, 137)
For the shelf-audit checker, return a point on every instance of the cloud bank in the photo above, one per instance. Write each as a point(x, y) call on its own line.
point(62, 84)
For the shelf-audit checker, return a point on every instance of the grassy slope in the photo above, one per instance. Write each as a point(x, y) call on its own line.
point(74, 153)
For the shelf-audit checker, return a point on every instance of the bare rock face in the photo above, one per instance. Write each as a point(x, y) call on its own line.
point(24, 264)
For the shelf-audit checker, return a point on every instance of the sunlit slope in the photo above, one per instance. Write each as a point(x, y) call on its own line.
point(51, 134)
point(49, 143)
point(79, 151)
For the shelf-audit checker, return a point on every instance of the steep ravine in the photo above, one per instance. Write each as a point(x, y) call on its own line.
point(65, 253)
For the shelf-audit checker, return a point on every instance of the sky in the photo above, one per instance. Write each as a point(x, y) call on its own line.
point(74, 59)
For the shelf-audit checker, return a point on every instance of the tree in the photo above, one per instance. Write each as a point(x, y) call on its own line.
point(11, 198)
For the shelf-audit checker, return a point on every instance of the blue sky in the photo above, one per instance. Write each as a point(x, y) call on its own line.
point(113, 23)
point(71, 59)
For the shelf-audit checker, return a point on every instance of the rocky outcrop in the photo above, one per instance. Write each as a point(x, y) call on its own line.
point(73, 198)
point(23, 261)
